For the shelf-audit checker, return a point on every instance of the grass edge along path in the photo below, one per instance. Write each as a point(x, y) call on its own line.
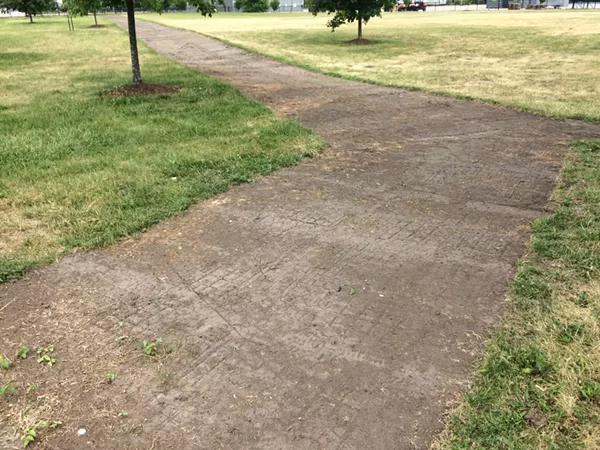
point(538, 384)
point(82, 170)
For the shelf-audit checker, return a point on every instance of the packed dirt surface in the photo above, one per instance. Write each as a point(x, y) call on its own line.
point(336, 305)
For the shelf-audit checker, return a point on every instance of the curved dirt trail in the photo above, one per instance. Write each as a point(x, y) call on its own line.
point(280, 340)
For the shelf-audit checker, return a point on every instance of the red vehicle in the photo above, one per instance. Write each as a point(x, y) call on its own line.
point(417, 6)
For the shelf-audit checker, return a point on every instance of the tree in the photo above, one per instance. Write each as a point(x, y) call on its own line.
point(205, 7)
point(350, 11)
point(250, 6)
point(32, 7)
point(238, 4)
point(85, 7)
point(275, 5)
point(179, 5)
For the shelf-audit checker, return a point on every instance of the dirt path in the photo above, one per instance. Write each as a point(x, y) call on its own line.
point(279, 341)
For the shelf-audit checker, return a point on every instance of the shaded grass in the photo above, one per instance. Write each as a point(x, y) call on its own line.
point(538, 61)
point(538, 384)
point(81, 170)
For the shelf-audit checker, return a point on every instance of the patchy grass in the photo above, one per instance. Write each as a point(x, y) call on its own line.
point(539, 383)
point(81, 170)
point(540, 61)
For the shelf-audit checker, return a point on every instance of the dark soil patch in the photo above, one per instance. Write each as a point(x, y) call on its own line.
point(98, 26)
point(129, 90)
point(359, 42)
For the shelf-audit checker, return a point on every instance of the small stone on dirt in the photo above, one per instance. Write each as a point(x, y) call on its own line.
point(81, 432)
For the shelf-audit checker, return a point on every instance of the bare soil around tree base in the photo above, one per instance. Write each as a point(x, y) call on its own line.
point(359, 42)
point(339, 304)
point(130, 90)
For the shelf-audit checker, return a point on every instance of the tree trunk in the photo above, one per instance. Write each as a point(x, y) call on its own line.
point(30, 18)
point(95, 19)
point(133, 49)
point(359, 28)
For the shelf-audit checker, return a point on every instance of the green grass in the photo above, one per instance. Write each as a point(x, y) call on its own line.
point(81, 170)
point(539, 61)
point(538, 384)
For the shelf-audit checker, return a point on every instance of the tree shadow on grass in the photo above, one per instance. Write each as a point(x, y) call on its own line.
point(11, 59)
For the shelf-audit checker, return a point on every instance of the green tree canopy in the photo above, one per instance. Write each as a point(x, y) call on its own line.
point(251, 6)
point(275, 5)
point(85, 7)
point(349, 11)
point(205, 7)
point(31, 7)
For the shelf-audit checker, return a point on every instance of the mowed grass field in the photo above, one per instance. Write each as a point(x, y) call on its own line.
point(541, 61)
point(81, 170)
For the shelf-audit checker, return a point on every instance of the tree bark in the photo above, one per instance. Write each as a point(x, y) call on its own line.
point(359, 28)
point(133, 49)
point(30, 18)
point(95, 19)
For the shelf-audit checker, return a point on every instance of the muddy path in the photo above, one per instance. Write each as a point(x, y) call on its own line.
point(335, 305)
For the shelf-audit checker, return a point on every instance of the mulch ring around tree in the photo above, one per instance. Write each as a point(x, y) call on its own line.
point(359, 42)
point(98, 26)
point(130, 90)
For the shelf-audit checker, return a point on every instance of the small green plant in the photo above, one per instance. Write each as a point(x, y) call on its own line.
point(7, 389)
point(121, 324)
point(21, 351)
point(570, 332)
point(151, 347)
point(123, 414)
point(45, 355)
point(352, 292)
point(589, 391)
point(110, 377)
point(4, 361)
point(582, 299)
point(28, 436)
point(32, 387)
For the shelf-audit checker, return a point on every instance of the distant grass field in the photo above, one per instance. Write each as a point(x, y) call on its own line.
point(540, 61)
point(79, 170)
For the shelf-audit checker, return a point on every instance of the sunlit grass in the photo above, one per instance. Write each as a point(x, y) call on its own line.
point(541, 61)
point(80, 170)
